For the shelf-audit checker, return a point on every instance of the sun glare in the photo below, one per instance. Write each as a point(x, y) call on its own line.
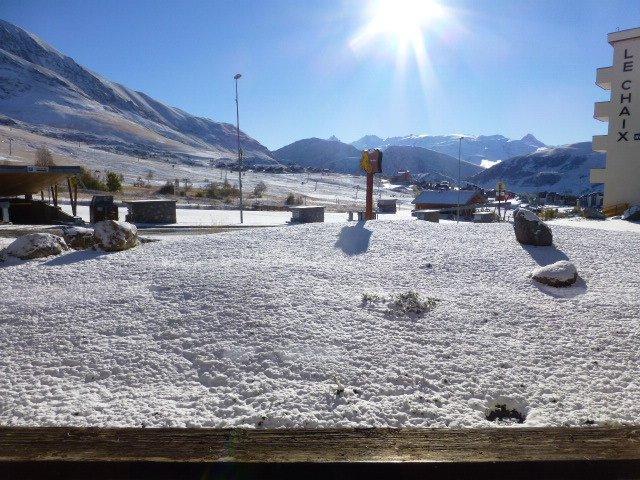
point(404, 19)
point(403, 27)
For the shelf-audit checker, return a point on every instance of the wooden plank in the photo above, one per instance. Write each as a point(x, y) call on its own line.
point(320, 445)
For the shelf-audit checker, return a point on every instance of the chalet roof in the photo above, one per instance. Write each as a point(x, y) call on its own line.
point(446, 197)
point(23, 179)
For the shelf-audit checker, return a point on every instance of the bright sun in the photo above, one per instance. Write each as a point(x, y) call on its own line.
point(402, 27)
point(406, 20)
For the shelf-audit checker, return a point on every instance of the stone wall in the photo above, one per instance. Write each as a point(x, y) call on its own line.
point(151, 211)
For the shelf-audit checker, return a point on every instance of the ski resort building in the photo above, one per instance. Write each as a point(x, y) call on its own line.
point(621, 176)
point(447, 201)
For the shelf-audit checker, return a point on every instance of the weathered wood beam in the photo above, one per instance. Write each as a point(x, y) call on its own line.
point(320, 445)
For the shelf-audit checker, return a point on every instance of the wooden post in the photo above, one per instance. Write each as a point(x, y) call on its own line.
point(369, 210)
point(54, 195)
point(72, 199)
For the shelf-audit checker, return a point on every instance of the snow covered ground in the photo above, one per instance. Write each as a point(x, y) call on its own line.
point(267, 328)
point(204, 217)
point(611, 224)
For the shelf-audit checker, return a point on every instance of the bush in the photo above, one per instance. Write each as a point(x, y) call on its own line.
point(90, 181)
point(167, 189)
point(222, 191)
point(114, 182)
point(548, 213)
point(44, 158)
point(293, 199)
point(259, 189)
point(411, 303)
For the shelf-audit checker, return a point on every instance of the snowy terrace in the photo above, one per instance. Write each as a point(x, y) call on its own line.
point(268, 328)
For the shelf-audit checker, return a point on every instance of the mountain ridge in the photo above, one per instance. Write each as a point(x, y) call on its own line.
point(51, 92)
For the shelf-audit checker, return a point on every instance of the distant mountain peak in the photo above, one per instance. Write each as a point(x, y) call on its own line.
point(333, 138)
point(531, 139)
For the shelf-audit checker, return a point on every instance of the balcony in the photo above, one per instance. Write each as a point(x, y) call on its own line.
point(601, 111)
point(603, 77)
point(599, 143)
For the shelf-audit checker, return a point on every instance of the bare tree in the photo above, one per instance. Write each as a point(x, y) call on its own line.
point(44, 158)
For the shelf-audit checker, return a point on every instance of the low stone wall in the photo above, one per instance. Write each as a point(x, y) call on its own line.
point(151, 211)
point(307, 214)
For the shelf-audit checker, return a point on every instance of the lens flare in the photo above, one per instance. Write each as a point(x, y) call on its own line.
point(403, 27)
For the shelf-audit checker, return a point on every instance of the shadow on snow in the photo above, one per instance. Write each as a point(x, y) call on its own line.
point(354, 240)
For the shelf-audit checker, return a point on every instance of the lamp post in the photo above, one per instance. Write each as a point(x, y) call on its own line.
point(459, 168)
point(236, 77)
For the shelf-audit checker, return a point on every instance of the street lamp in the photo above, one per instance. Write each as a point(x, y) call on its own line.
point(236, 77)
point(459, 168)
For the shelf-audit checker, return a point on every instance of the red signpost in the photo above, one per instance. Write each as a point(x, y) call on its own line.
point(371, 163)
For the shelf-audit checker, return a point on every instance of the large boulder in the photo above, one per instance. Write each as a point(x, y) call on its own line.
point(36, 245)
point(112, 236)
point(78, 238)
point(559, 274)
point(632, 213)
point(530, 230)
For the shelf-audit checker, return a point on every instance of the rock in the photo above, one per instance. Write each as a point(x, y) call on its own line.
point(593, 214)
point(632, 213)
point(78, 238)
point(114, 236)
point(530, 230)
point(36, 245)
point(559, 274)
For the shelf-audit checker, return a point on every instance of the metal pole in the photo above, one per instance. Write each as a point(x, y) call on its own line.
point(236, 77)
point(459, 150)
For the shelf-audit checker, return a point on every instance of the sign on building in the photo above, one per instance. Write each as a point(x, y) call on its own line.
point(621, 175)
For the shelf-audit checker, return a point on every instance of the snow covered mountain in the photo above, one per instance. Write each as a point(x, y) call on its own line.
point(344, 158)
point(474, 149)
point(49, 93)
point(563, 170)
point(314, 152)
point(433, 165)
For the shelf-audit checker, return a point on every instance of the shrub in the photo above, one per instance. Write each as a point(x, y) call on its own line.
point(44, 158)
point(259, 189)
point(293, 199)
point(166, 189)
point(90, 181)
point(114, 182)
point(411, 303)
point(221, 191)
point(549, 213)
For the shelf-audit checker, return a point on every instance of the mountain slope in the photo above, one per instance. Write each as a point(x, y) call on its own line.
point(434, 165)
point(320, 153)
point(473, 149)
point(53, 94)
point(562, 170)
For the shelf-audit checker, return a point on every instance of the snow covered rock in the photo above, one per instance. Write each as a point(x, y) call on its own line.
point(632, 213)
point(78, 238)
point(591, 213)
point(36, 245)
point(559, 274)
point(530, 230)
point(114, 236)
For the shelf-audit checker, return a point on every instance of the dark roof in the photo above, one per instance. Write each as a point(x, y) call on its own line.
point(446, 197)
point(23, 179)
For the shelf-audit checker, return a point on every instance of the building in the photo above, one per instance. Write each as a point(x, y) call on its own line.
point(28, 180)
point(621, 176)
point(591, 200)
point(402, 177)
point(447, 201)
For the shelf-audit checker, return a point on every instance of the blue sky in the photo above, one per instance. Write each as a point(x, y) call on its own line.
point(505, 66)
